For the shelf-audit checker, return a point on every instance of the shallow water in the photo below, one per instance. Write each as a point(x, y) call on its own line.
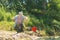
point(49, 38)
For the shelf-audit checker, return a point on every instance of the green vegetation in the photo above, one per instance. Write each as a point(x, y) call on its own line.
point(4, 25)
point(44, 14)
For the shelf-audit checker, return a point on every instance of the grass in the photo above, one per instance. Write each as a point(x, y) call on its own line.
point(4, 25)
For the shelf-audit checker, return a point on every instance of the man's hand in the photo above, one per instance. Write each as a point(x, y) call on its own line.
point(26, 18)
point(12, 18)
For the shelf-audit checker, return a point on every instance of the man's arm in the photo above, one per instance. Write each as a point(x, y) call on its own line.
point(26, 18)
point(14, 18)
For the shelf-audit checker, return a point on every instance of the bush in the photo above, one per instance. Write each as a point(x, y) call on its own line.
point(4, 25)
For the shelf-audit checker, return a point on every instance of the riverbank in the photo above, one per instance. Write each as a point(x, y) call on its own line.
point(12, 35)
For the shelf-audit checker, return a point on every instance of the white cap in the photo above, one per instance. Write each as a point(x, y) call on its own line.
point(21, 13)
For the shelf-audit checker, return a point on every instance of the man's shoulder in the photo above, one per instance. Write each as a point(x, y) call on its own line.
point(23, 16)
point(16, 17)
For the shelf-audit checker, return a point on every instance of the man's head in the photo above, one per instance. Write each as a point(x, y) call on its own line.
point(20, 13)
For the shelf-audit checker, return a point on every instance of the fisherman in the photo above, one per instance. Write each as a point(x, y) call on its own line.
point(19, 19)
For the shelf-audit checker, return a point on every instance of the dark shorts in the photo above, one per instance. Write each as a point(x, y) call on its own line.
point(19, 28)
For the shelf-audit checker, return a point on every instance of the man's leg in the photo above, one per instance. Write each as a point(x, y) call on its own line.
point(21, 28)
point(16, 27)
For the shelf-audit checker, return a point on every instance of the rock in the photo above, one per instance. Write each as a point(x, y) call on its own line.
point(8, 35)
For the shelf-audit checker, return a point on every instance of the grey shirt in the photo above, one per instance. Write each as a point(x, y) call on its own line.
point(16, 19)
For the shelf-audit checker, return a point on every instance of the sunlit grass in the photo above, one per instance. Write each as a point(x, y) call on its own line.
point(4, 25)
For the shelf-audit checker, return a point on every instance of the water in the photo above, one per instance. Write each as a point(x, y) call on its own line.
point(49, 38)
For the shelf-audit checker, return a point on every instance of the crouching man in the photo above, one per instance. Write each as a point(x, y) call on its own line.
point(19, 19)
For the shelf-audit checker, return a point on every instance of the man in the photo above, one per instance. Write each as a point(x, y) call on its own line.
point(19, 21)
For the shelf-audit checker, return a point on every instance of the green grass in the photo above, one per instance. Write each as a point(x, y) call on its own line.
point(4, 25)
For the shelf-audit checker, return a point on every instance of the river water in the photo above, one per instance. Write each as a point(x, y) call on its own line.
point(48, 38)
